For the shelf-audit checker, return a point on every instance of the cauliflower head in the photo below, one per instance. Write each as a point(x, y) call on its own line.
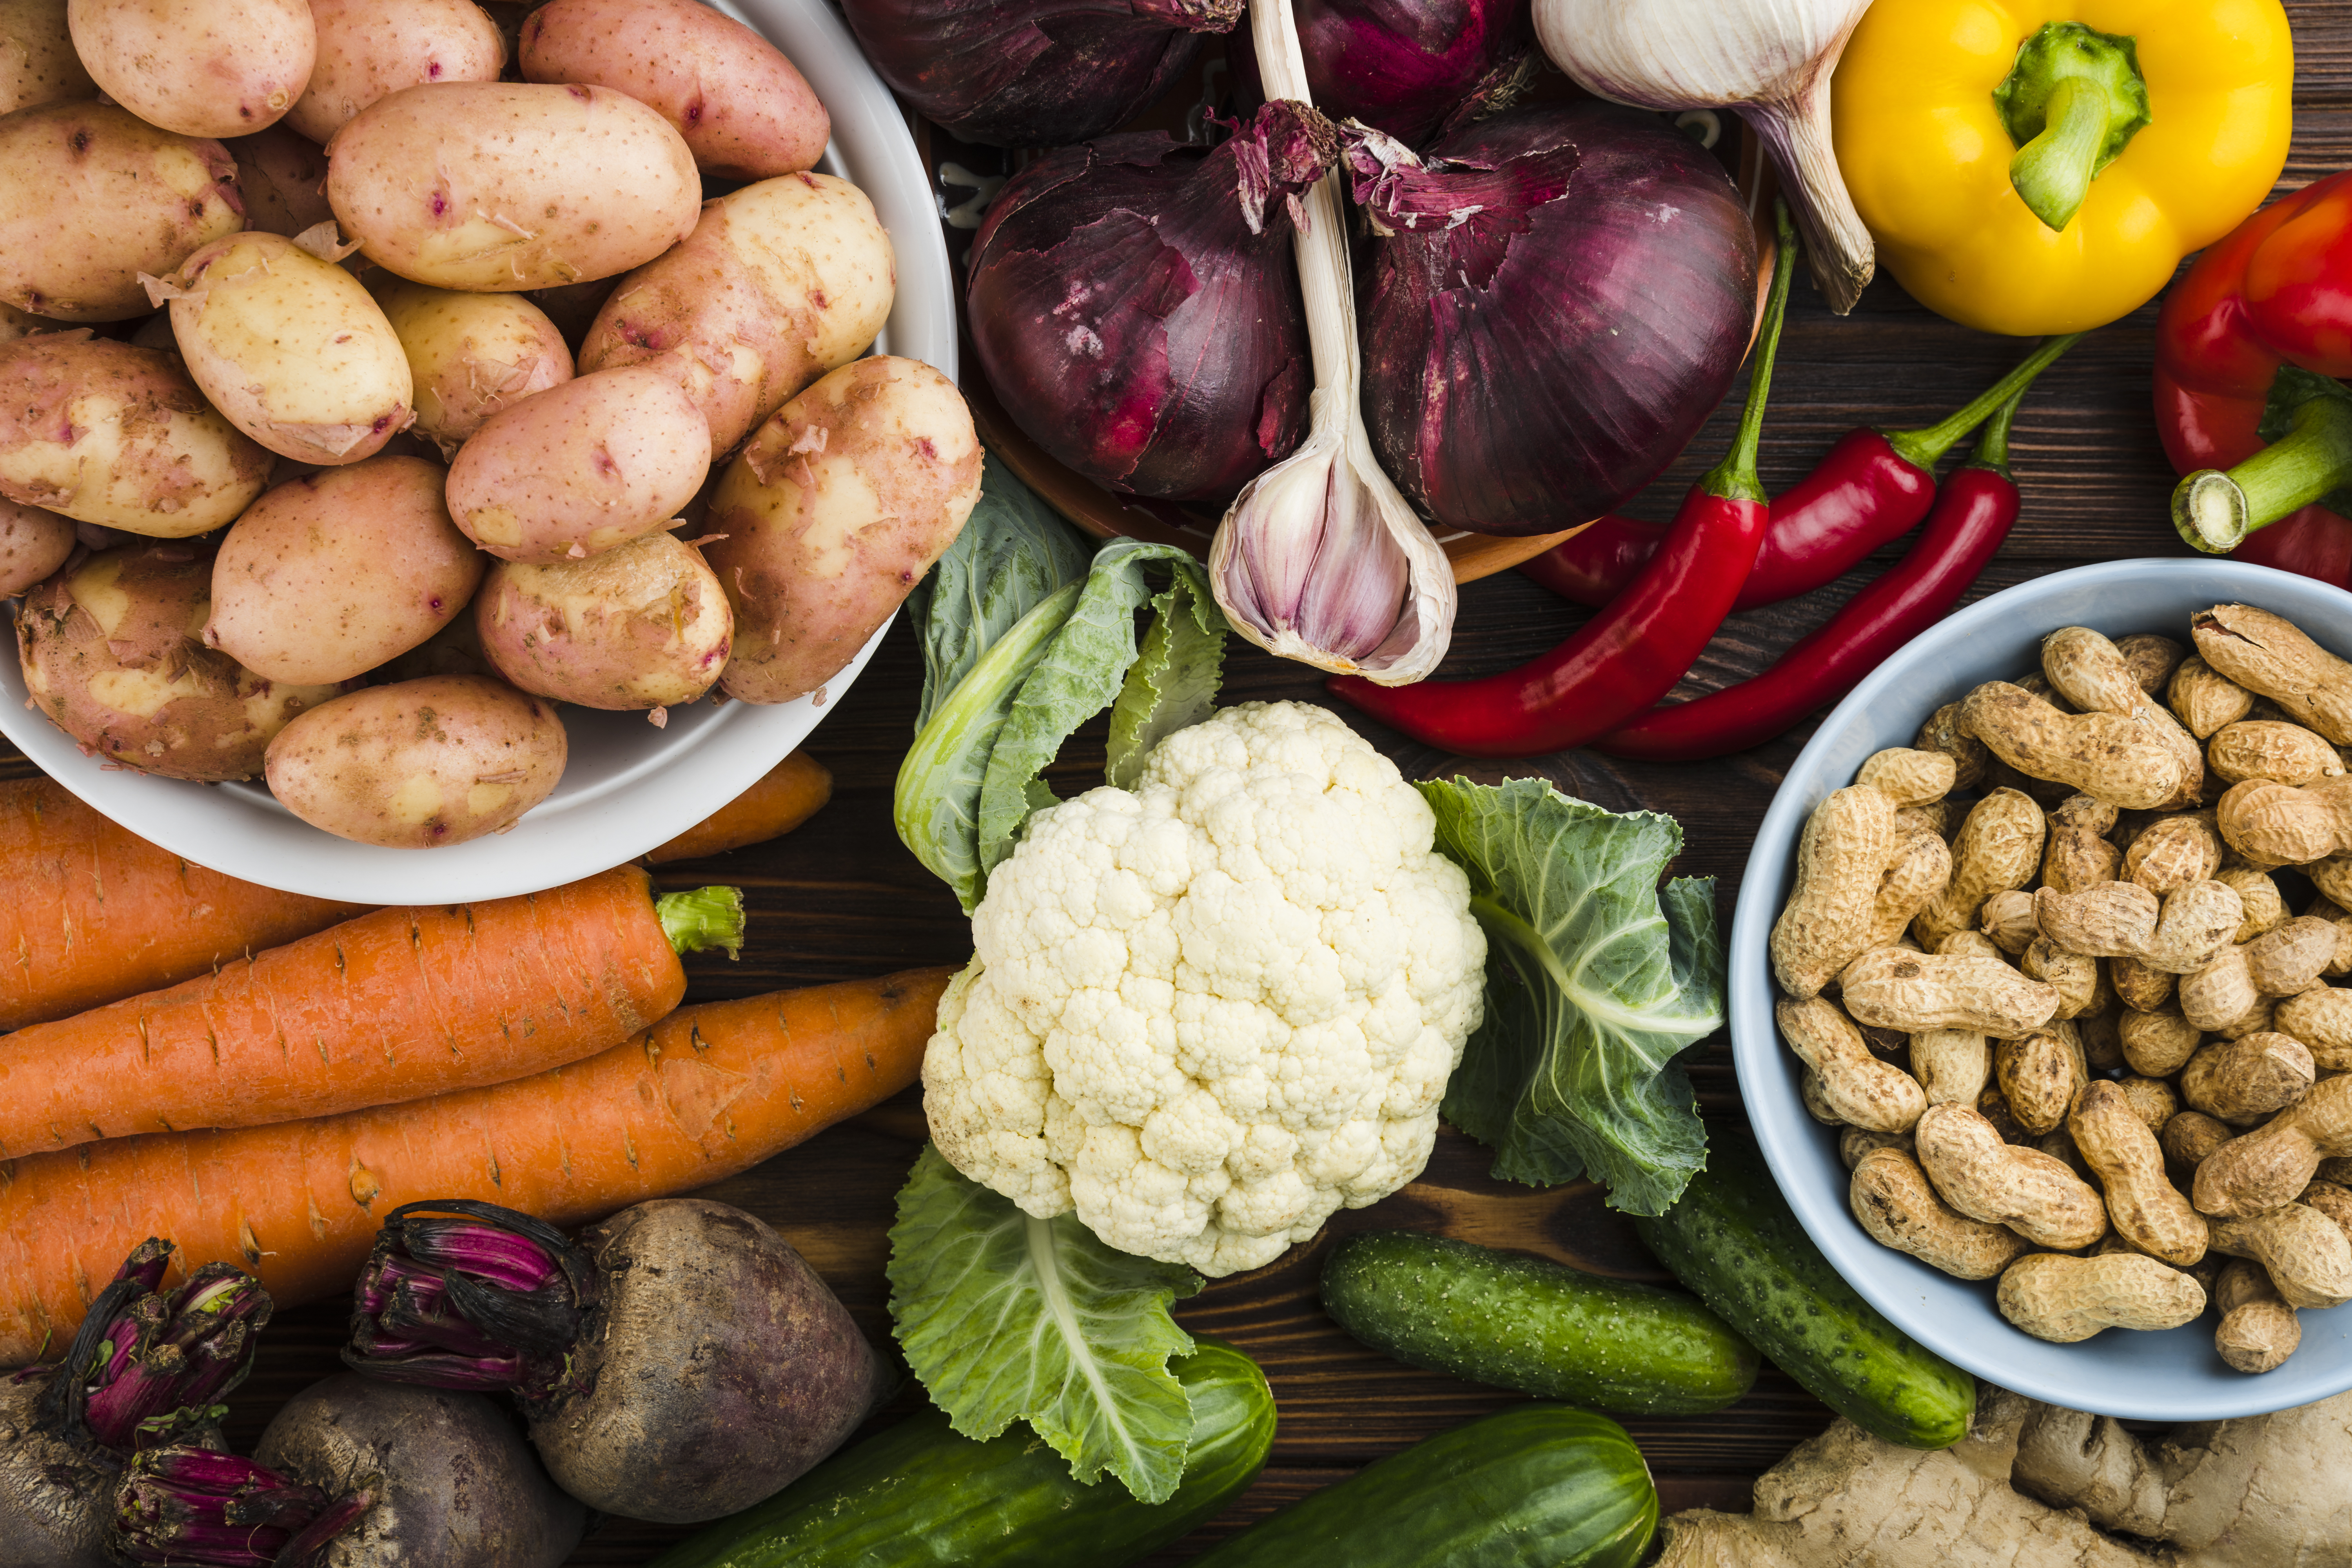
point(1208, 1013)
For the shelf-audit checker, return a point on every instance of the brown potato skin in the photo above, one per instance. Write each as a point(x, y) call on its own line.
point(284, 181)
point(202, 68)
point(500, 186)
point(33, 544)
point(148, 197)
point(359, 767)
point(37, 63)
point(471, 355)
point(745, 110)
point(115, 633)
point(328, 576)
point(779, 283)
point(181, 469)
point(643, 626)
point(370, 48)
point(835, 509)
point(748, 1369)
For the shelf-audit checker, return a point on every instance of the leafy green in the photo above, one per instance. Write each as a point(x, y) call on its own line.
point(1026, 637)
point(1012, 554)
point(1597, 979)
point(1004, 1317)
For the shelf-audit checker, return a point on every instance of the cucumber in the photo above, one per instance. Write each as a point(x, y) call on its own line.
point(917, 1496)
point(1536, 1327)
point(1732, 1239)
point(1538, 1486)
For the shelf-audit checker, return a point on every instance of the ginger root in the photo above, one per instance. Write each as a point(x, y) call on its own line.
point(2032, 1486)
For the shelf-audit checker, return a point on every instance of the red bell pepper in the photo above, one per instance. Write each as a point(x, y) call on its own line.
point(2243, 347)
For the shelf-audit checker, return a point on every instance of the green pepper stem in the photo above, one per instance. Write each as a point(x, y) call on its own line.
point(1926, 447)
point(2214, 511)
point(1992, 446)
point(2053, 172)
point(705, 918)
point(1735, 479)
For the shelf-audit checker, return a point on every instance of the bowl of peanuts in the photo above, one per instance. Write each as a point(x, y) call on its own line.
point(2041, 989)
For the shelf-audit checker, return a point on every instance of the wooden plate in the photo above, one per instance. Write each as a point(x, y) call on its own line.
point(1108, 514)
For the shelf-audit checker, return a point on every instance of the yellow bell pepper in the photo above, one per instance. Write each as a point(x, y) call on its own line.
point(2175, 111)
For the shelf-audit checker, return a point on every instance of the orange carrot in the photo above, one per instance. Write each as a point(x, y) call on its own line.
point(710, 1090)
point(397, 1004)
point(95, 913)
point(786, 797)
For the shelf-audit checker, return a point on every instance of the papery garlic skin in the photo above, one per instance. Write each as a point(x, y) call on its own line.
point(1770, 60)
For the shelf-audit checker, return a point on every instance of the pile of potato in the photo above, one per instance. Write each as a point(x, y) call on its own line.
point(377, 417)
point(2073, 1035)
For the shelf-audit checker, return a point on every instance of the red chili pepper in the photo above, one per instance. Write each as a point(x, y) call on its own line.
point(1869, 489)
point(1972, 517)
point(2276, 292)
point(1633, 652)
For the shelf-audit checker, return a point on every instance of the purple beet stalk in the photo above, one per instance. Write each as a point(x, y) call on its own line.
point(458, 1294)
point(146, 1365)
point(193, 1508)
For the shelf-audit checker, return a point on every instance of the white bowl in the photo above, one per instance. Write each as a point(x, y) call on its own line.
point(628, 786)
point(2170, 1376)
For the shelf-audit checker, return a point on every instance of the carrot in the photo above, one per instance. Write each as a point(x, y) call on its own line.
point(712, 1089)
point(95, 913)
point(786, 797)
point(397, 1004)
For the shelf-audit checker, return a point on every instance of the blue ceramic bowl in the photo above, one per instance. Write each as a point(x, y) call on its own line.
point(2170, 1376)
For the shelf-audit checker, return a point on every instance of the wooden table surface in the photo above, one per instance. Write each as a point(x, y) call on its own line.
point(842, 898)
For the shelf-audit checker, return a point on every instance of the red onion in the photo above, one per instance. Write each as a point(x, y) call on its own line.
point(1034, 73)
point(1405, 66)
point(1559, 297)
point(1135, 305)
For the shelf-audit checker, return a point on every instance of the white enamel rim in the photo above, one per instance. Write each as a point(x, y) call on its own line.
point(628, 786)
point(2170, 1376)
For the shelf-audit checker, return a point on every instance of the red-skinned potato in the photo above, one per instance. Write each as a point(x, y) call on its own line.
point(835, 509)
point(291, 348)
point(142, 199)
point(421, 764)
point(111, 655)
point(33, 544)
point(779, 283)
point(643, 626)
point(202, 68)
point(284, 181)
point(580, 468)
point(326, 577)
point(370, 48)
point(107, 433)
point(497, 185)
point(37, 63)
point(744, 109)
point(471, 355)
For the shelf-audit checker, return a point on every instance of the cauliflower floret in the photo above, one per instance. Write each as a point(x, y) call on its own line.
point(1211, 1012)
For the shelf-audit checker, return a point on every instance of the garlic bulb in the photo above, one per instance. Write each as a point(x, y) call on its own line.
point(1770, 60)
point(1320, 559)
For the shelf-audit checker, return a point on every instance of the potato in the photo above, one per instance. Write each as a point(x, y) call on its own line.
point(500, 186)
point(581, 468)
point(110, 654)
point(779, 283)
point(643, 626)
point(833, 509)
point(15, 324)
point(37, 63)
point(455, 650)
point(370, 48)
point(33, 544)
point(111, 434)
point(202, 68)
point(326, 577)
point(89, 198)
point(471, 355)
point(419, 765)
point(284, 180)
point(290, 347)
point(744, 111)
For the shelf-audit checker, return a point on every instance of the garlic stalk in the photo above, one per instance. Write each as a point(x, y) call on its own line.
point(1320, 559)
point(1769, 60)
